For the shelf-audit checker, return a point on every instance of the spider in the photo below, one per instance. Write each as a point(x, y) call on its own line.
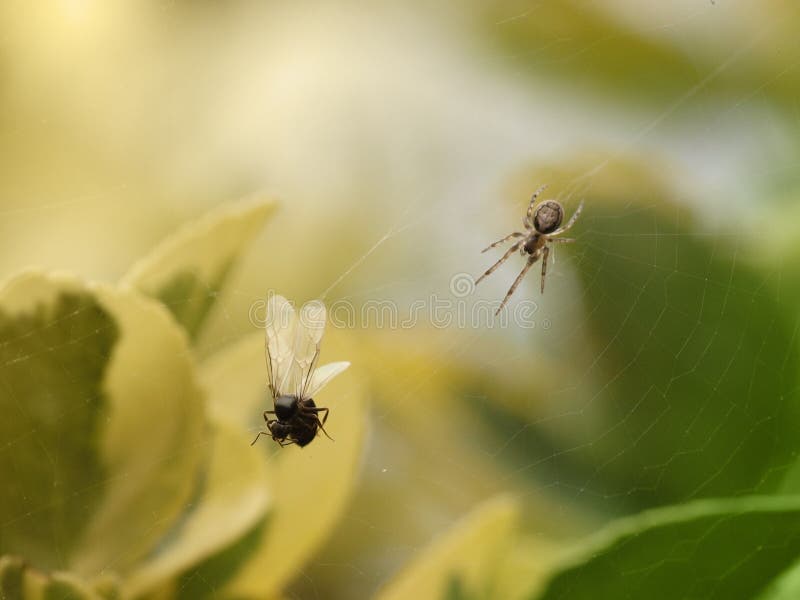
point(542, 224)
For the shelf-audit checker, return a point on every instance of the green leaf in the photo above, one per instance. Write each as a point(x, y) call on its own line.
point(456, 589)
point(782, 245)
point(55, 349)
point(683, 362)
point(708, 549)
point(12, 574)
point(591, 44)
point(785, 587)
point(207, 579)
point(188, 270)
point(87, 375)
point(65, 586)
point(696, 358)
point(311, 485)
point(19, 581)
point(107, 585)
point(462, 564)
point(554, 38)
point(231, 502)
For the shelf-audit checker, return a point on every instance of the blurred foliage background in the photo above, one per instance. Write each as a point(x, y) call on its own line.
point(656, 400)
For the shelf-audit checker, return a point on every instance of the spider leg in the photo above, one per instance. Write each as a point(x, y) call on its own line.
point(562, 240)
point(519, 278)
point(516, 234)
point(493, 268)
point(571, 221)
point(545, 256)
point(528, 220)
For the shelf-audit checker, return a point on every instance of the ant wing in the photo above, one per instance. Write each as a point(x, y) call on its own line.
point(280, 328)
point(320, 377)
point(305, 348)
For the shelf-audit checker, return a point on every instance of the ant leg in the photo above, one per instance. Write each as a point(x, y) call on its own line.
point(318, 409)
point(260, 433)
point(269, 420)
point(504, 258)
point(319, 424)
point(314, 420)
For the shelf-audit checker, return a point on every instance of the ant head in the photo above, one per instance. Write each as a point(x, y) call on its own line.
point(279, 430)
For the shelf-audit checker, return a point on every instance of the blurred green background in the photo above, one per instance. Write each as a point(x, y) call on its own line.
point(398, 139)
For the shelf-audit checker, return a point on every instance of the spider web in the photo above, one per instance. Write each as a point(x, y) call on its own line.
point(436, 211)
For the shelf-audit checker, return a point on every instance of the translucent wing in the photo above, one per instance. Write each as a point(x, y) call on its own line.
point(306, 347)
point(321, 376)
point(292, 344)
point(280, 328)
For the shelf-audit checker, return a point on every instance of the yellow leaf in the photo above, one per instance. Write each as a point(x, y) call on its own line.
point(188, 270)
point(310, 485)
point(101, 396)
point(470, 554)
point(233, 497)
point(20, 581)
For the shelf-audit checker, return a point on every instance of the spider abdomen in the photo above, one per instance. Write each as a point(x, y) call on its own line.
point(548, 216)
